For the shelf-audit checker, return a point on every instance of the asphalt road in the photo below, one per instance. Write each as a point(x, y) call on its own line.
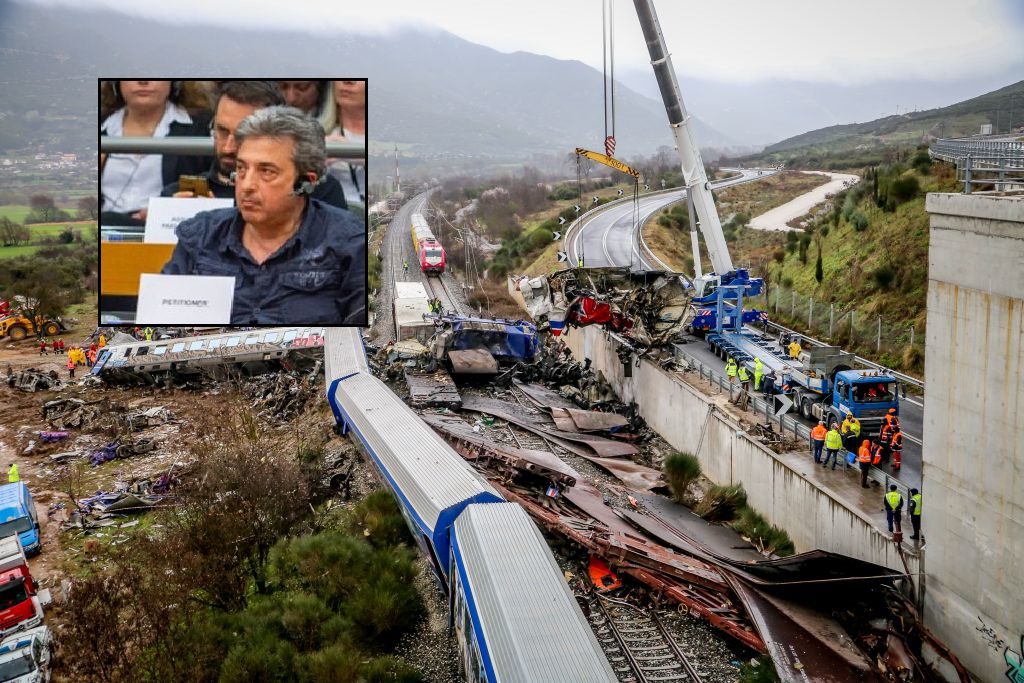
point(608, 238)
point(911, 418)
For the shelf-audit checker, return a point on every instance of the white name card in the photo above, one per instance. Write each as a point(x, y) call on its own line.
point(185, 300)
point(165, 213)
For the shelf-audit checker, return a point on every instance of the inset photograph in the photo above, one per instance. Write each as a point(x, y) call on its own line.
point(233, 202)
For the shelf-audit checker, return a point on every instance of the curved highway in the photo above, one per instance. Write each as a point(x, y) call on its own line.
point(607, 238)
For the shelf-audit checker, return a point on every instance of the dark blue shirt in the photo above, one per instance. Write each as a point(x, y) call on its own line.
point(317, 277)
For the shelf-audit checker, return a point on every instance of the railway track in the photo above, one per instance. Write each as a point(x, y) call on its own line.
point(436, 286)
point(639, 645)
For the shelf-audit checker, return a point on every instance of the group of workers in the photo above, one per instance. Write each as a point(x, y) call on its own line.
point(893, 505)
point(77, 355)
point(887, 447)
point(434, 305)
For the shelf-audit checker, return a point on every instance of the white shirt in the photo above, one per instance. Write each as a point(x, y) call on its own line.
point(352, 177)
point(129, 180)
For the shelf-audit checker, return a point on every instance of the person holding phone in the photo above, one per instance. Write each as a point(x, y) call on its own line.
point(145, 109)
point(235, 101)
point(295, 259)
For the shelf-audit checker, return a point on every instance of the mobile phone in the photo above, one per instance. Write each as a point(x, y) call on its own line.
point(196, 184)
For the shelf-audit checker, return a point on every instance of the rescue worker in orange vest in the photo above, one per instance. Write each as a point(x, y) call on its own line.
point(893, 506)
point(818, 435)
point(892, 419)
point(877, 450)
point(864, 460)
point(896, 446)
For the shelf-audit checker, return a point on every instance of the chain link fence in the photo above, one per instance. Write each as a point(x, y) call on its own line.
point(890, 343)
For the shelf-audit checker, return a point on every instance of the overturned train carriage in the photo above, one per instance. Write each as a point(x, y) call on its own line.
point(510, 609)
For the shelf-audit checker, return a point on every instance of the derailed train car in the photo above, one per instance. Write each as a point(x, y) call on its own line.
point(510, 608)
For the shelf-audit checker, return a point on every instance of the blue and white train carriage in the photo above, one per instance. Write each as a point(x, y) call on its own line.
point(515, 618)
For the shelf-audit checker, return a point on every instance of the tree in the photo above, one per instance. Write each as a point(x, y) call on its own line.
point(12, 234)
point(88, 208)
point(44, 206)
point(818, 271)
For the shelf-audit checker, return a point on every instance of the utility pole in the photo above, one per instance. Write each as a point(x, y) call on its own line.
point(398, 179)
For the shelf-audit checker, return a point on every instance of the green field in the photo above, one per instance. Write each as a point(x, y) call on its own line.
point(21, 250)
point(15, 213)
point(40, 230)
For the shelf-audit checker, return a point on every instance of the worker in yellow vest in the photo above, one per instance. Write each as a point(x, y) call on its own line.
point(833, 444)
point(12, 473)
point(758, 373)
point(914, 510)
point(730, 369)
point(894, 508)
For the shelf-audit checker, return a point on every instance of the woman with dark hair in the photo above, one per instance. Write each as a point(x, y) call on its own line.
point(146, 109)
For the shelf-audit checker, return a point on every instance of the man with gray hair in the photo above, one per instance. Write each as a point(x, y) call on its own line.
point(295, 260)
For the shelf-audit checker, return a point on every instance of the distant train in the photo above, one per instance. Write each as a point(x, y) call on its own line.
point(429, 251)
point(510, 608)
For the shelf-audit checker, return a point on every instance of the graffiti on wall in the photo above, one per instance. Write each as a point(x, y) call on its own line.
point(988, 634)
point(1016, 671)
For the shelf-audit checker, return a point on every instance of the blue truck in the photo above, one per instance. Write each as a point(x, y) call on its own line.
point(821, 382)
point(18, 516)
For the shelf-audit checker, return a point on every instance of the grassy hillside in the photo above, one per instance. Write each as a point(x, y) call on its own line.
point(862, 143)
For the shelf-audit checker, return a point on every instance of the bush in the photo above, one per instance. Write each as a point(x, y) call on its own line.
point(904, 189)
point(787, 282)
point(860, 221)
point(722, 503)
point(884, 276)
point(378, 519)
point(681, 469)
point(766, 537)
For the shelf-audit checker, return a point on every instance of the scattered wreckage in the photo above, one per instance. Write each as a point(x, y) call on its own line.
point(32, 380)
point(788, 607)
point(647, 308)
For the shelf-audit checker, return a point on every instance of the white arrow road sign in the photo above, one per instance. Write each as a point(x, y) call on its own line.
point(561, 220)
point(785, 403)
point(558, 235)
point(562, 257)
point(619, 192)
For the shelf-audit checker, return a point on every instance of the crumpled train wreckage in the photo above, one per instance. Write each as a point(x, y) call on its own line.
point(647, 308)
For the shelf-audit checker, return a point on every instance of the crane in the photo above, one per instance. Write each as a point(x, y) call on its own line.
point(698, 188)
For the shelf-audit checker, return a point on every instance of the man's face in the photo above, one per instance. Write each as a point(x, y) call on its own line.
point(225, 123)
point(299, 94)
point(265, 179)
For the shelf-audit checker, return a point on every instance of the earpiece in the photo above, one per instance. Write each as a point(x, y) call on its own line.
point(306, 187)
point(117, 90)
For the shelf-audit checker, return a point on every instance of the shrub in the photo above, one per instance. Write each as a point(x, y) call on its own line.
point(884, 276)
point(766, 537)
point(760, 670)
point(377, 518)
point(860, 221)
point(681, 469)
point(722, 503)
point(787, 282)
point(904, 189)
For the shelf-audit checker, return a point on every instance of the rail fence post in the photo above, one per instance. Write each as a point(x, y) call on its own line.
point(911, 335)
point(851, 326)
point(810, 315)
point(792, 309)
point(878, 345)
point(967, 175)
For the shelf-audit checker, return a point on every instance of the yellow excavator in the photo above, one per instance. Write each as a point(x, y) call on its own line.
point(18, 327)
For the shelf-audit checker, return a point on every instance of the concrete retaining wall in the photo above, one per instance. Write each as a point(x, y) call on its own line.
point(689, 421)
point(973, 454)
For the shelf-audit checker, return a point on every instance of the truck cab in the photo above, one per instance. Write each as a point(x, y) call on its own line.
point(18, 516)
point(20, 608)
point(867, 395)
point(25, 657)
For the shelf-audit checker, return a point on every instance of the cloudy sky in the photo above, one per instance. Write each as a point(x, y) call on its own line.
point(848, 43)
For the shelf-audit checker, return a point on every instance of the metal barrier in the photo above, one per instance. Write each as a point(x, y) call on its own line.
point(203, 146)
point(785, 423)
point(986, 156)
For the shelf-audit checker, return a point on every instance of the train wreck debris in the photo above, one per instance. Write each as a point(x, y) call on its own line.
point(788, 607)
point(74, 413)
point(32, 380)
point(648, 308)
point(479, 346)
point(432, 389)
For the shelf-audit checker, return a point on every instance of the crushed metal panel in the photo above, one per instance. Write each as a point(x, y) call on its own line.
point(630, 473)
point(544, 397)
point(432, 389)
point(473, 362)
point(472, 445)
point(799, 654)
point(594, 421)
point(563, 420)
point(600, 445)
